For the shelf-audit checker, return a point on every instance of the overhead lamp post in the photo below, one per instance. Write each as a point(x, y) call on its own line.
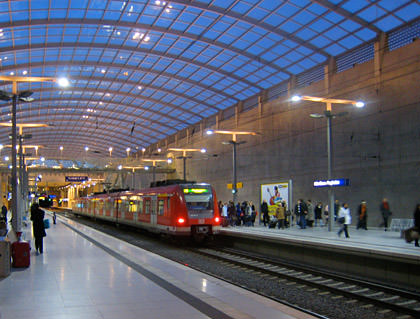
point(154, 161)
point(110, 151)
point(23, 96)
point(133, 170)
point(61, 151)
point(184, 156)
point(329, 116)
point(234, 144)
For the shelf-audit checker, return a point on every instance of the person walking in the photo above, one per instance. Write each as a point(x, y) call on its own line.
point(362, 210)
point(311, 216)
point(417, 223)
point(37, 217)
point(344, 218)
point(386, 212)
point(280, 214)
point(264, 212)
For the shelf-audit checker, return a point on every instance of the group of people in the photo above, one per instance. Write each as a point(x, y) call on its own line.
point(243, 213)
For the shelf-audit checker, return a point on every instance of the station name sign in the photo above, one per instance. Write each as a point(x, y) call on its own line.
point(76, 178)
point(332, 182)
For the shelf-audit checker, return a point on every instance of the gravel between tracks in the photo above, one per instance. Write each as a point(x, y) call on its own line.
point(305, 297)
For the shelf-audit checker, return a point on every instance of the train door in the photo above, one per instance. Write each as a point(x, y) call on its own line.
point(153, 210)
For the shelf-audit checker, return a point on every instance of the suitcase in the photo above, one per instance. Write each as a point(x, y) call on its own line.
point(410, 234)
point(21, 254)
point(46, 223)
point(4, 258)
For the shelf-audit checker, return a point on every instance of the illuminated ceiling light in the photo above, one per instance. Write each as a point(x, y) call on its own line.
point(118, 32)
point(6, 158)
point(12, 73)
point(203, 150)
point(159, 150)
point(296, 98)
point(120, 167)
point(42, 159)
point(146, 168)
point(103, 71)
point(108, 94)
point(140, 87)
point(360, 104)
point(169, 160)
point(125, 73)
point(209, 132)
point(100, 103)
point(86, 148)
point(61, 148)
point(146, 39)
point(138, 35)
point(24, 72)
point(63, 82)
point(143, 150)
point(168, 10)
point(157, 2)
point(5, 57)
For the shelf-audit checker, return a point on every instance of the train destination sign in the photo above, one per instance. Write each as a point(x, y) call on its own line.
point(332, 182)
point(76, 178)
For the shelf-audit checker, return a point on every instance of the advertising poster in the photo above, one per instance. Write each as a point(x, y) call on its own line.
point(274, 194)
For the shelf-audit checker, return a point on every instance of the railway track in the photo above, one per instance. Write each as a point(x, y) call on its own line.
point(405, 304)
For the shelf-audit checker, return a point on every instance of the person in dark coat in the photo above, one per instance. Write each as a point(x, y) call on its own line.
point(3, 213)
point(37, 217)
point(264, 212)
point(386, 212)
point(362, 211)
point(417, 223)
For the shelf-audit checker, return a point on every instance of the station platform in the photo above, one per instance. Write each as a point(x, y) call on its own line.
point(84, 273)
point(372, 240)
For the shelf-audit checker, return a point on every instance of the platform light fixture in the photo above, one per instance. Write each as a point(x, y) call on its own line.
point(329, 116)
point(234, 144)
point(184, 156)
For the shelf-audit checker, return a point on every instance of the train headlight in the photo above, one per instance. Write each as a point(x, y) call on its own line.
point(217, 219)
point(181, 220)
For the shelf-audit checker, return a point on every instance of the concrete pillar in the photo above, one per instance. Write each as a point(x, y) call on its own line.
point(380, 48)
point(329, 70)
point(238, 109)
point(291, 86)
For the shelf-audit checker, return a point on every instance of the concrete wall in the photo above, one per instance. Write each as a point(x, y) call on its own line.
point(377, 147)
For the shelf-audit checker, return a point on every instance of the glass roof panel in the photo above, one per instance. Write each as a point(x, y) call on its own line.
point(177, 62)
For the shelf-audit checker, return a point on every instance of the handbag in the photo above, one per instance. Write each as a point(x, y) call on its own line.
point(341, 220)
point(46, 223)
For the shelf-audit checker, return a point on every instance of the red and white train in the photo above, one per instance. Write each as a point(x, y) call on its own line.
point(174, 210)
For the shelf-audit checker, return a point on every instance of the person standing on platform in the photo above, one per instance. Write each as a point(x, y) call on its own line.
point(3, 216)
point(336, 209)
point(344, 217)
point(280, 214)
point(386, 212)
point(301, 210)
point(310, 217)
point(37, 217)
point(417, 223)
point(264, 212)
point(362, 210)
point(318, 214)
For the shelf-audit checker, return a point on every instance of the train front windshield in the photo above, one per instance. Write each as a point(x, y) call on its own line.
point(199, 201)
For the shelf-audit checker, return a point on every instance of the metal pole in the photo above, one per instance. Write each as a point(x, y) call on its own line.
point(154, 173)
point(184, 158)
point(15, 214)
point(234, 189)
point(329, 155)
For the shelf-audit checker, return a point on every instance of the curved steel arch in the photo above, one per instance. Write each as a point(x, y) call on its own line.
point(115, 80)
point(25, 23)
point(85, 133)
point(128, 123)
point(130, 49)
point(139, 97)
point(163, 115)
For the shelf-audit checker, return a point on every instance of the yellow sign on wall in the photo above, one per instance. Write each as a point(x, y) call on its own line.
point(238, 185)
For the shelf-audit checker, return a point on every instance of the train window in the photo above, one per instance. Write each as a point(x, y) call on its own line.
point(199, 201)
point(161, 207)
point(134, 204)
point(108, 204)
point(168, 204)
point(124, 205)
point(140, 206)
point(100, 204)
point(147, 205)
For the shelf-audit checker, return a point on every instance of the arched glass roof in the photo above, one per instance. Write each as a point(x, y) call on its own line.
point(142, 70)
